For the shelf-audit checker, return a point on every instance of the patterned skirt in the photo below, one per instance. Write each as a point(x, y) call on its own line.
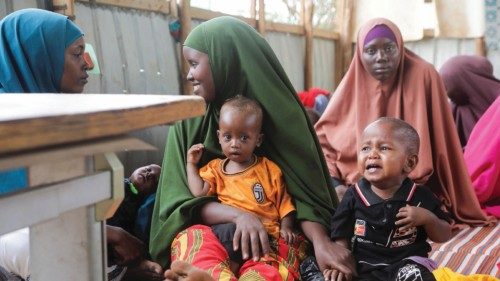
point(199, 246)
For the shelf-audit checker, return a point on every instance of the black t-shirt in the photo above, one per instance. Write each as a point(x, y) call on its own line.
point(368, 221)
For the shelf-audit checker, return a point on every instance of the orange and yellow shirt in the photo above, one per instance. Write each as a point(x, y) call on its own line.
point(259, 189)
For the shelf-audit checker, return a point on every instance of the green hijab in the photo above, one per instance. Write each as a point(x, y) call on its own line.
point(242, 62)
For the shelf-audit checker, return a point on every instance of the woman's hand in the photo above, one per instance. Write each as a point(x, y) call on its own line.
point(329, 255)
point(251, 235)
point(128, 249)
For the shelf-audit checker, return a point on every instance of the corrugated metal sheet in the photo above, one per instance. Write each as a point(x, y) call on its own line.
point(324, 64)
point(290, 50)
point(437, 51)
point(135, 50)
point(8, 6)
point(137, 55)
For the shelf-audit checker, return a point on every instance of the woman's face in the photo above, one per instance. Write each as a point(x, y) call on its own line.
point(200, 73)
point(380, 58)
point(74, 75)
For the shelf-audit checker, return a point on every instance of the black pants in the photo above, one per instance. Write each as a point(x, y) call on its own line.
point(225, 234)
point(309, 270)
point(405, 270)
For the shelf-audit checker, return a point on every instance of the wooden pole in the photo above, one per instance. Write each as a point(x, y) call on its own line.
point(343, 54)
point(65, 7)
point(480, 46)
point(261, 24)
point(174, 12)
point(185, 17)
point(307, 12)
point(302, 18)
point(253, 9)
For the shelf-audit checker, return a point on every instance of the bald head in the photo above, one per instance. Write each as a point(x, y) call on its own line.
point(403, 131)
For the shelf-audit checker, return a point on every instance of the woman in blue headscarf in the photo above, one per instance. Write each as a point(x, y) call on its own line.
point(42, 52)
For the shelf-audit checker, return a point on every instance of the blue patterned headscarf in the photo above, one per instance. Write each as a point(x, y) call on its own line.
point(32, 45)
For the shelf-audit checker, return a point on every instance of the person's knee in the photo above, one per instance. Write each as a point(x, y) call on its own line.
point(250, 269)
point(200, 245)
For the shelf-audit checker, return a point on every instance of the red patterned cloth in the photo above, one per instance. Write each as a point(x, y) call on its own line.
point(308, 98)
point(199, 246)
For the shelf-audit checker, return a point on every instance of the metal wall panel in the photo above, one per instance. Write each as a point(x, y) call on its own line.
point(324, 64)
point(437, 51)
point(135, 51)
point(136, 55)
point(9, 6)
point(492, 34)
point(290, 50)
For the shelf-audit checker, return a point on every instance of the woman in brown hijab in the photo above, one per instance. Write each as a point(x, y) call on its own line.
point(472, 88)
point(386, 79)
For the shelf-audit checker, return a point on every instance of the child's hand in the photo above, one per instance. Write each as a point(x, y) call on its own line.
point(288, 235)
point(411, 216)
point(333, 275)
point(194, 153)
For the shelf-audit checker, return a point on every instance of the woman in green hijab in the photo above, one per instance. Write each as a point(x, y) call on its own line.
point(228, 57)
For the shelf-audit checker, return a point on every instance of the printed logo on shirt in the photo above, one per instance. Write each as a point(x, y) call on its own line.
point(409, 272)
point(360, 228)
point(258, 193)
point(402, 238)
point(401, 233)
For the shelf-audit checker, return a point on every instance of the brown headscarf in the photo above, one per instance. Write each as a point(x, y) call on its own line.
point(472, 88)
point(417, 95)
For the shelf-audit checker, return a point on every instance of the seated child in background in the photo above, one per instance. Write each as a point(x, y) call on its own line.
point(315, 101)
point(313, 115)
point(127, 239)
point(134, 216)
point(385, 218)
point(140, 189)
point(244, 180)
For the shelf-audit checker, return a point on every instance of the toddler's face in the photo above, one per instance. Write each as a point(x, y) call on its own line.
point(145, 179)
point(382, 156)
point(239, 134)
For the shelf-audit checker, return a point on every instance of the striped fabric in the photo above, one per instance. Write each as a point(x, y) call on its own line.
point(470, 251)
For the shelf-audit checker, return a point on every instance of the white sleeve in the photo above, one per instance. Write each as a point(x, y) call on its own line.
point(15, 252)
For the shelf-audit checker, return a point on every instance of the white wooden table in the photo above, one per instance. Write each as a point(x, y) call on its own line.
point(66, 143)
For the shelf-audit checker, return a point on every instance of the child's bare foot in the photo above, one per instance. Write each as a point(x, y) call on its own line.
point(181, 270)
point(146, 270)
point(151, 266)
